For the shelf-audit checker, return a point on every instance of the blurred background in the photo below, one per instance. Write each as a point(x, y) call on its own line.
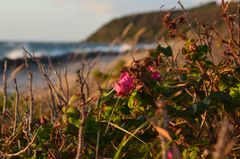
point(57, 27)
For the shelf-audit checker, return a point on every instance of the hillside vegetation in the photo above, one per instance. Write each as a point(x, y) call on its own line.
point(153, 24)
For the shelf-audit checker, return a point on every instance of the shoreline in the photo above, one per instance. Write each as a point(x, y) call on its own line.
point(63, 59)
point(71, 61)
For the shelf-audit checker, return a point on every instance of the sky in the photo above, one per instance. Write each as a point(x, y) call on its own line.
point(69, 20)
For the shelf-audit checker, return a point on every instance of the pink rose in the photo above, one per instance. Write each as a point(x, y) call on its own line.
point(170, 155)
point(154, 74)
point(125, 84)
point(150, 68)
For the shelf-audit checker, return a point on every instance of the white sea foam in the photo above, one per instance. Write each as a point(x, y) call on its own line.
point(113, 48)
point(19, 53)
point(125, 47)
point(14, 50)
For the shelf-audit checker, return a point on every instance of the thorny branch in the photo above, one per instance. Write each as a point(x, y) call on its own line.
point(83, 94)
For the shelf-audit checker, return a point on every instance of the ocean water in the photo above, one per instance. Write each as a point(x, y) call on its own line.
point(14, 50)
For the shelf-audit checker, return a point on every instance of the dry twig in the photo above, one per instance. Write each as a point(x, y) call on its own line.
point(4, 86)
point(16, 117)
point(30, 92)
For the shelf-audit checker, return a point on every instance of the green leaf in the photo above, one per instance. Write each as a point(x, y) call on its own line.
point(223, 97)
point(64, 118)
point(73, 99)
point(235, 91)
point(131, 102)
point(91, 126)
point(74, 121)
point(166, 51)
point(72, 112)
point(191, 153)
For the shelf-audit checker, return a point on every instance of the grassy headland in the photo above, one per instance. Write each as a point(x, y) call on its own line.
point(153, 24)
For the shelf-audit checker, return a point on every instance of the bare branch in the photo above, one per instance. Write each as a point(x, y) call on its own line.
point(31, 100)
point(46, 77)
point(16, 106)
point(4, 86)
point(66, 80)
point(58, 77)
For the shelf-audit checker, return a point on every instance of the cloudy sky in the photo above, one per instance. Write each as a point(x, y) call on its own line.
point(68, 20)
